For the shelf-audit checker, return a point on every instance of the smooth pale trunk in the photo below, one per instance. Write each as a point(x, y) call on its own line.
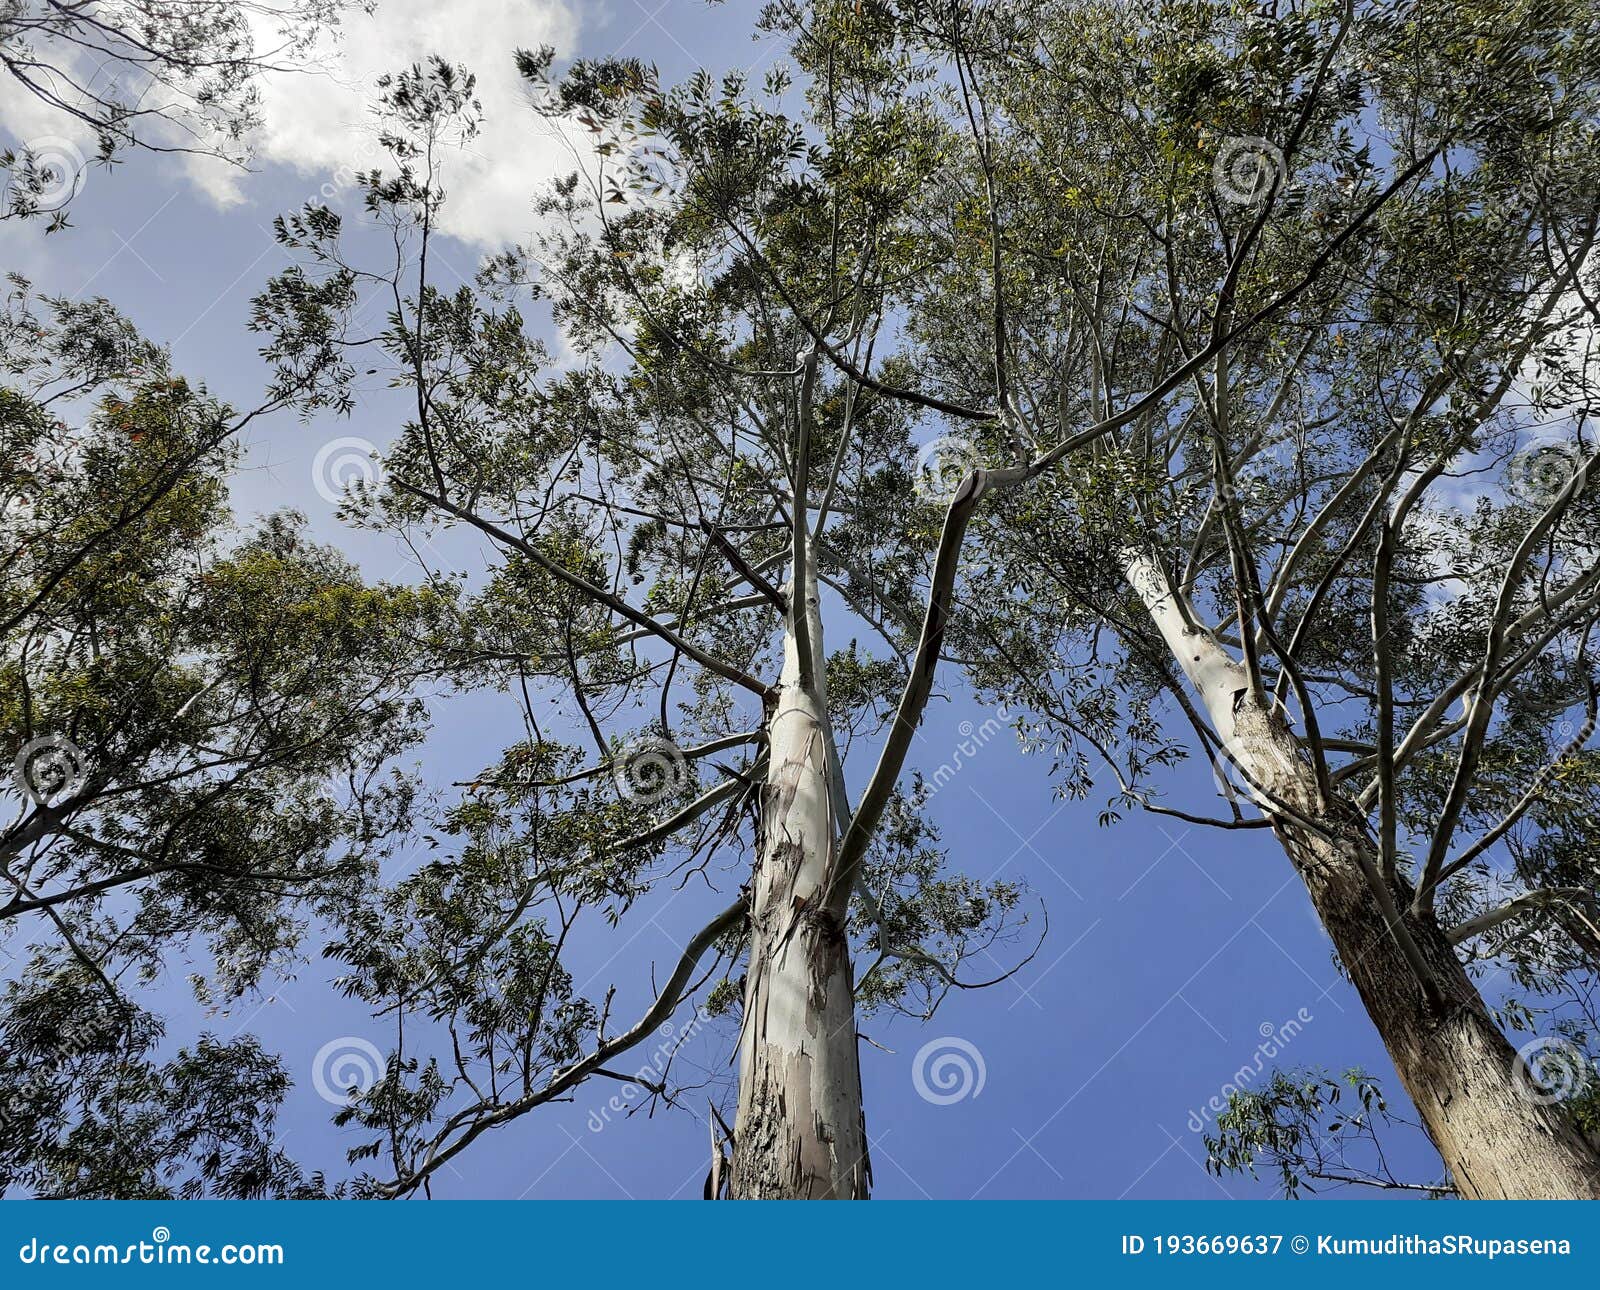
point(1456, 1065)
point(799, 1132)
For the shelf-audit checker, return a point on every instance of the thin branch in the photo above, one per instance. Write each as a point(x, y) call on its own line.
point(666, 1001)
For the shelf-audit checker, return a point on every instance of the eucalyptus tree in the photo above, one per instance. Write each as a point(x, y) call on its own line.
point(142, 75)
point(200, 726)
point(669, 512)
point(1355, 549)
point(759, 307)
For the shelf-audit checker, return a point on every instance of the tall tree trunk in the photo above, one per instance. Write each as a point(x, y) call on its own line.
point(799, 1132)
point(1453, 1060)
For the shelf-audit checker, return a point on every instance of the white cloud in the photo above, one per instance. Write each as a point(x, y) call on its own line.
point(320, 124)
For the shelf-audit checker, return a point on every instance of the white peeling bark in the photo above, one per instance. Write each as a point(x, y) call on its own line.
point(1217, 678)
point(799, 1132)
point(1456, 1065)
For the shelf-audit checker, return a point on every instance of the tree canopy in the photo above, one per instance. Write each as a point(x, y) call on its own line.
point(143, 75)
point(1197, 381)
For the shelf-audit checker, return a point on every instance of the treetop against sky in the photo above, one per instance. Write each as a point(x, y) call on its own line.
point(574, 622)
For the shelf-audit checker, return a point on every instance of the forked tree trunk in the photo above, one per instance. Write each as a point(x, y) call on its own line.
point(1463, 1076)
point(799, 1133)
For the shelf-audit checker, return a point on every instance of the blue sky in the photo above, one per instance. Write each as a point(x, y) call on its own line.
point(1171, 949)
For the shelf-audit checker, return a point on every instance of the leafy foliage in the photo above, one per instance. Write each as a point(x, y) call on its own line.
point(1315, 1131)
point(144, 75)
